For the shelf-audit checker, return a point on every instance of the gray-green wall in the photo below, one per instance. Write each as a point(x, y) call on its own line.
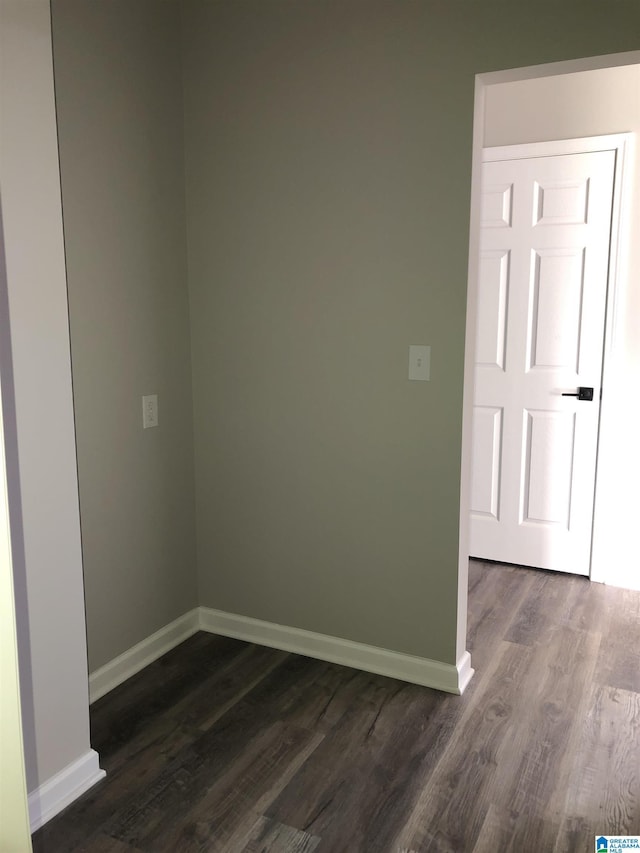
point(328, 154)
point(119, 102)
point(327, 169)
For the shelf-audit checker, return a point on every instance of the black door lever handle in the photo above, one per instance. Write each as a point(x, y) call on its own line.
point(582, 393)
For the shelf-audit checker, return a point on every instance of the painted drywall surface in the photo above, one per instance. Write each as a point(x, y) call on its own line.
point(47, 557)
point(118, 90)
point(14, 817)
point(328, 152)
point(565, 106)
point(588, 104)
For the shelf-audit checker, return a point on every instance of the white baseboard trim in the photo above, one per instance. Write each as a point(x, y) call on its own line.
point(142, 654)
point(465, 671)
point(429, 673)
point(63, 788)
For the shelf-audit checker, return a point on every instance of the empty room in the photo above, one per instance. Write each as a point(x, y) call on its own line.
point(305, 303)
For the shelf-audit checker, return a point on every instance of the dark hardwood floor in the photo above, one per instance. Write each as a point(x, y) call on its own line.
point(225, 746)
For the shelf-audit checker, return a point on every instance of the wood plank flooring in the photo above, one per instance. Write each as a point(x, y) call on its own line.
point(225, 746)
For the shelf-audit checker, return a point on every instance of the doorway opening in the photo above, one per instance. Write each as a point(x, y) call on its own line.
point(549, 229)
point(567, 100)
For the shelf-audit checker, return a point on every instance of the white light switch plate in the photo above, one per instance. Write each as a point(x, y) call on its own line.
point(150, 411)
point(420, 363)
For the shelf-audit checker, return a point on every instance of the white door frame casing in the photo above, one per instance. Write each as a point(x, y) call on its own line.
point(623, 143)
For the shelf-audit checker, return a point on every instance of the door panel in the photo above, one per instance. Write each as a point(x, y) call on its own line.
point(556, 309)
point(497, 202)
point(561, 202)
point(487, 440)
point(544, 254)
point(548, 462)
point(493, 289)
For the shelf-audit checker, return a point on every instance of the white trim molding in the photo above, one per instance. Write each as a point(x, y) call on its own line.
point(429, 673)
point(142, 654)
point(63, 788)
point(565, 66)
point(465, 672)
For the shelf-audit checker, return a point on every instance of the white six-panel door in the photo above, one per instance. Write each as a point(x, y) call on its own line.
point(545, 236)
